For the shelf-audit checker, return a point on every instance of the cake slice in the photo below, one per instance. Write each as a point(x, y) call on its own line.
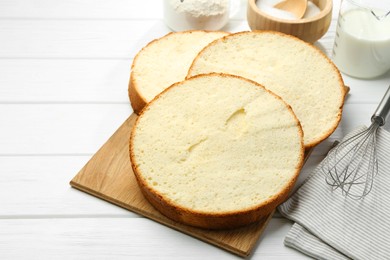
point(293, 69)
point(163, 62)
point(216, 151)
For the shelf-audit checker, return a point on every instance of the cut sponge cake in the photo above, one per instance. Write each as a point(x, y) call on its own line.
point(163, 62)
point(296, 71)
point(216, 151)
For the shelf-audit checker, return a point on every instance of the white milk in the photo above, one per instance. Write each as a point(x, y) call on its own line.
point(362, 44)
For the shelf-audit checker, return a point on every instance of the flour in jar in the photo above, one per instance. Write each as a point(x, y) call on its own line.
point(182, 15)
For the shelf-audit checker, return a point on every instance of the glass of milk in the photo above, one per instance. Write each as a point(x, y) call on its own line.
point(362, 43)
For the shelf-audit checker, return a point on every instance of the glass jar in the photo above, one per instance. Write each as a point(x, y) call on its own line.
point(181, 15)
point(362, 44)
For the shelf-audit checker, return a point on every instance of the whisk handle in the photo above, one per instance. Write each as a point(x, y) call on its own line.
point(383, 109)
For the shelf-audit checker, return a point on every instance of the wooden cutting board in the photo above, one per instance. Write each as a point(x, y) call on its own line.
point(108, 175)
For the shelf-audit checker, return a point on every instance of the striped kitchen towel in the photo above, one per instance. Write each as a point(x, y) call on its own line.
point(331, 226)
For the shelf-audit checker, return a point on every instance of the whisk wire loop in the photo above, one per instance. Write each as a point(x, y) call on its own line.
point(352, 164)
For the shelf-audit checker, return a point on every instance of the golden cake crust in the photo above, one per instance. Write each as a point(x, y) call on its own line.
point(342, 87)
point(137, 99)
point(207, 220)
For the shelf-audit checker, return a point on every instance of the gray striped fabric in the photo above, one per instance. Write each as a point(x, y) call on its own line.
point(331, 226)
point(302, 240)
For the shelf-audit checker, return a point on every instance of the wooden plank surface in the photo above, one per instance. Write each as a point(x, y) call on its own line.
point(93, 39)
point(40, 175)
point(65, 81)
point(123, 238)
point(105, 81)
point(62, 129)
point(79, 129)
point(45, 189)
point(82, 39)
point(97, 9)
point(75, 9)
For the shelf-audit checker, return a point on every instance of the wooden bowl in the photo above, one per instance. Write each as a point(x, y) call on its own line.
point(308, 29)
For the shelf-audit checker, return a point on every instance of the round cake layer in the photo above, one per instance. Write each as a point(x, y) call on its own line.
point(163, 62)
point(293, 69)
point(216, 151)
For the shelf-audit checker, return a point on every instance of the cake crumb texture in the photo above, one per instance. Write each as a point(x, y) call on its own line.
point(217, 145)
point(164, 62)
point(293, 69)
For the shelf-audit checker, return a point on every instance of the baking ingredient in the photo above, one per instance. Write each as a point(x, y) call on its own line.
point(362, 44)
point(297, 7)
point(182, 15)
point(216, 151)
point(311, 10)
point(267, 6)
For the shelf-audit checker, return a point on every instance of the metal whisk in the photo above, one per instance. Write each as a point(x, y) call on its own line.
point(352, 165)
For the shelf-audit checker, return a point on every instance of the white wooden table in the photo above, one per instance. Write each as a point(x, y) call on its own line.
point(64, 69)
